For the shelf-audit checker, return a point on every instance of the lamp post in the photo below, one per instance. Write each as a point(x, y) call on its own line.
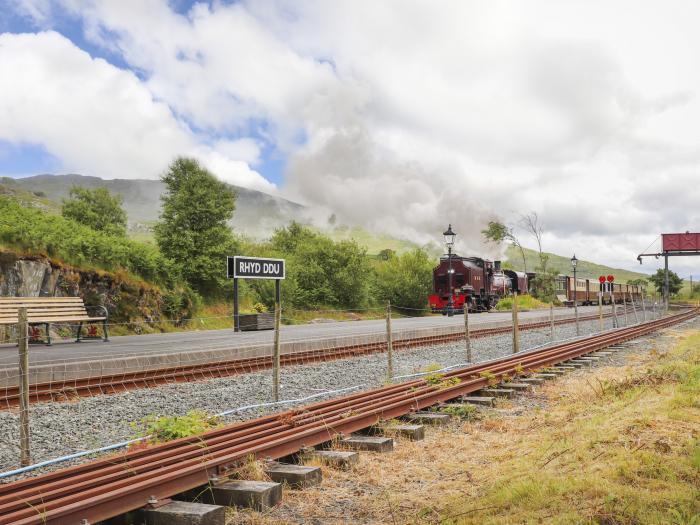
point(449, 242)
point(574, 262)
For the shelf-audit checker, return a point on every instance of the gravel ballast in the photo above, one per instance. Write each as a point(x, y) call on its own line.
point(63, 428)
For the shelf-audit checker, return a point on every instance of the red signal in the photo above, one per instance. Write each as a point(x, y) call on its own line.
point(601, 278)
point(611, 278)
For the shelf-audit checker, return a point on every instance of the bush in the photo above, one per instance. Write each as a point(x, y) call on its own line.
point(33, 230)
point(405, 280)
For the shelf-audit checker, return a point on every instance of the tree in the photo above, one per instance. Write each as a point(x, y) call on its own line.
point(499, 232)
point(405, 280)
point(97, 209)
point(674, 282)
point(320, 272)
point(544, 279)
point(193, 228)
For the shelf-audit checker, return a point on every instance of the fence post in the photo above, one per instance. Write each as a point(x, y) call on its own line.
point(551, 320)
point(276, 356)
point(389, 345)
point(644, 308)
point(467, 340)
point(516, 334)
point(616, 323)
point(600, 310)
point(634, 309)
point(624, 306)
point(25, 458)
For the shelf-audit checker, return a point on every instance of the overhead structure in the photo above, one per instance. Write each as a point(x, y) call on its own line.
point(674, 245)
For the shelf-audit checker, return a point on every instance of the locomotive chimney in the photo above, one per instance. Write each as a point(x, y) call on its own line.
point(497, 266)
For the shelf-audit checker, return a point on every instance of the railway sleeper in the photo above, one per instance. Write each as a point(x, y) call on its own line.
point(293, 476)
point(427, 418)
point(256, 495)
point(168, 512)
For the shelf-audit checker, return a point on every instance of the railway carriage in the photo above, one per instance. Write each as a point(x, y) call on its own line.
point(480, 284)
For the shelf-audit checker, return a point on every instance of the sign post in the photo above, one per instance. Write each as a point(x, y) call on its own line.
point(601, 280)
point(240, 267)
point(610, 280)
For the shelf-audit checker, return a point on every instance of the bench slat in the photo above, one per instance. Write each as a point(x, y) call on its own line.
point(40, 320)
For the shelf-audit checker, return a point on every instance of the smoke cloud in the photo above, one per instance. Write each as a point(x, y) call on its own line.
point(363, 183)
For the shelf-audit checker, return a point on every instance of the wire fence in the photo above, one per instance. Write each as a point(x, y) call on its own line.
point(230, 374)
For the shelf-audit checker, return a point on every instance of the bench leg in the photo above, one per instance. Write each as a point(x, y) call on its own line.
point(48, 335)
point(79, 332)
point(105, 334)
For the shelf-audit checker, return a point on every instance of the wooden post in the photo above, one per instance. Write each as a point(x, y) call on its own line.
point(616, 324)
point(644, 308)
point(467, 340)
point(25, 458)
point(624, 306)
point(276, 356)
point(516, 332)
point(551, 320)
point(600, 309)
point(634, 308)
point(389, 345)
point(236, 316)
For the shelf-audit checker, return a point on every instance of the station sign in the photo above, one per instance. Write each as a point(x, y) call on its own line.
point(240, 267)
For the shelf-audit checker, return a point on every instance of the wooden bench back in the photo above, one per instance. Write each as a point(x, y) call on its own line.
point(43, 309)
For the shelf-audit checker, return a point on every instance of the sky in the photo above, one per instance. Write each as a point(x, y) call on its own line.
point(400, 116)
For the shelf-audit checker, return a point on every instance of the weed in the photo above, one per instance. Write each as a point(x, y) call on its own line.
point(464, 412)
point(167, 428)
point(490, 377)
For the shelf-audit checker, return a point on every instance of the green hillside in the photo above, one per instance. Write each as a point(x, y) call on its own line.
point(586, 269)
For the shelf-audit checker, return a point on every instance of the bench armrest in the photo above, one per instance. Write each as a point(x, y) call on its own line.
point(102, 311)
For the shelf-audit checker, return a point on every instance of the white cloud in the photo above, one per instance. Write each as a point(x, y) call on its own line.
point(416, 113)
point(98, 119)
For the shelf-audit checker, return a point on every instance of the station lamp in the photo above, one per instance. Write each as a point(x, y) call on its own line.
point(574, 262)
point(449, 237)
point(449, 242)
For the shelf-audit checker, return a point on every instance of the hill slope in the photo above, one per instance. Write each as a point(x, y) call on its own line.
point(586, 269)
point(257, 213)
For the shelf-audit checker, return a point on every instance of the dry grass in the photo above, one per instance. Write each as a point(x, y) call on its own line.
point(616, 445)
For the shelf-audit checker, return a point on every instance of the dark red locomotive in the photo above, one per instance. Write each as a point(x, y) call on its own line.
point(479, 283)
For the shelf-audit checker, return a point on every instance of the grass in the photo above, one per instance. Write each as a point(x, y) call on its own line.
point(616, 445)
point(525, 302)
point(626, 450)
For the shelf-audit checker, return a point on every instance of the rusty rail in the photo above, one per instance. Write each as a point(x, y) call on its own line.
point(114, 485)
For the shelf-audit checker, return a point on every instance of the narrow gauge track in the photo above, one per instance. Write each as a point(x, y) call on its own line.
point(109, 487)
point(115, 383)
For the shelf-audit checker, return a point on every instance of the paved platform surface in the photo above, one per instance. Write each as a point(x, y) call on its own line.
point(299, 336)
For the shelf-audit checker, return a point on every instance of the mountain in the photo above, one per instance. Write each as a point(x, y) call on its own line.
point(257, 213)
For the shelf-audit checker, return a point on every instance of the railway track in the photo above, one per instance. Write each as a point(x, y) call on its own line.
point(114, 485)
point(123, 382)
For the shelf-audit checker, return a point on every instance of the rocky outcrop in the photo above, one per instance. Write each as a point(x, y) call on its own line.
point(127, 299)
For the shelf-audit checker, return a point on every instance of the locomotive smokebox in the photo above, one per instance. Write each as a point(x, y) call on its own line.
point(497, 266)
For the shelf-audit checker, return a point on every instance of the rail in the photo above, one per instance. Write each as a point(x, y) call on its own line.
point(112, 486)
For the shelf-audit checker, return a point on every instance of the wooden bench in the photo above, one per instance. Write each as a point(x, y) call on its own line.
point(48, 310)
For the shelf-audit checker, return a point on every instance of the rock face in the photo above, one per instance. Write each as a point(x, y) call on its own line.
point(127, 300)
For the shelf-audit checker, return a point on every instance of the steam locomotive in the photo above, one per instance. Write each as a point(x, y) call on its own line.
point(480, 284)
